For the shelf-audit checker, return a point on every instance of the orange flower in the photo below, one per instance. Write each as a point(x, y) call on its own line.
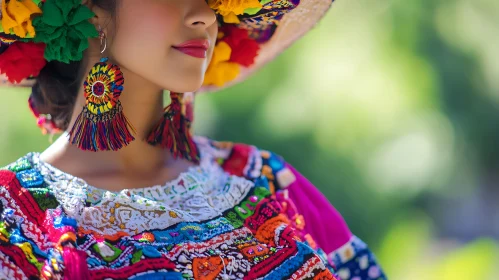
point(16, 17)
point(221, 70)
point(230, 9)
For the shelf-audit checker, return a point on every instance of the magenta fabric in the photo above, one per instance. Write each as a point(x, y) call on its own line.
point(322, 221)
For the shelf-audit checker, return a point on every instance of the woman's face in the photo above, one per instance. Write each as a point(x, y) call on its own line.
point(146, 33)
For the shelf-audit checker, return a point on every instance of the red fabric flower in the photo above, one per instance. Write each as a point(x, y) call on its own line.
point(22, 60)
point(244, 49)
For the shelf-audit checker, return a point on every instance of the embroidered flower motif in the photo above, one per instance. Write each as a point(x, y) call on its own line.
point(65, 28)
point(16, 17)
point(103, 87)
point(230, 9)
point(22, 60)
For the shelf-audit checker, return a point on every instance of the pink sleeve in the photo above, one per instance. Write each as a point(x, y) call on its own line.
point(322, 221)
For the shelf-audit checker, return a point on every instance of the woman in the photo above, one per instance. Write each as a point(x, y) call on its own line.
point(127, 192)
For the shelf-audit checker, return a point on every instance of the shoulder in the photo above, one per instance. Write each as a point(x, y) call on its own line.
point(249, 161)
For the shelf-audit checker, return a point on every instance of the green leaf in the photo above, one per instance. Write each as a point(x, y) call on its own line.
point(51, 15)
point(65, 29)
point(82, 13)
point(66, 7)
point(86, 29)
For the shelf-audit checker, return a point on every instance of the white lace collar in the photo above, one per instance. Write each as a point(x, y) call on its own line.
point(193, 174)
point(200, 193)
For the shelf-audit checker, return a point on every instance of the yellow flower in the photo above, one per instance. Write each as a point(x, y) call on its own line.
point(16, 17)
point(230, 9)
point(220, 70)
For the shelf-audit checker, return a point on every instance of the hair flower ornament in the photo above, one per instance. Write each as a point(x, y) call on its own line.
point(16, 17)
point(234, 49)
point(65, 29)
point(221, 70)
point(22, 60)
point(244, 49)
point(246, 32)
point(230, 9)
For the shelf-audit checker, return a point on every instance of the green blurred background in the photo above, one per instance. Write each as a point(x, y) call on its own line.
point(390, 108)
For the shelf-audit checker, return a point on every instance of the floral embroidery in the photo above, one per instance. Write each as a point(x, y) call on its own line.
point(206, 224)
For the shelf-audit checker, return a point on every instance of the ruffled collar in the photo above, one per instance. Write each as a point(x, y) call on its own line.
point(194, 175)
point(200, 193)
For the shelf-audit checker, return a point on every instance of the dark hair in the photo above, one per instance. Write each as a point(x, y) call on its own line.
point(57, 85)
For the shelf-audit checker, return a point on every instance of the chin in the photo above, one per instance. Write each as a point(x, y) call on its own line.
point(184, 84)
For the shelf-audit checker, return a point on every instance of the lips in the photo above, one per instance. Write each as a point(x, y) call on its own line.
point(196, 48)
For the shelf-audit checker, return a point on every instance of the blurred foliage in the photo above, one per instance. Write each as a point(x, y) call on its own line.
point(390, 109)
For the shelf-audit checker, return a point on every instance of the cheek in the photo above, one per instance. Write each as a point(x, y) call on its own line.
point(144, 33)
point(212, 33)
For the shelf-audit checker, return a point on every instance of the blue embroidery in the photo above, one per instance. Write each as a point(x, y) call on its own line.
point(359, 264)
point(197, 232)
point(363, 266)
point(64, 221)
point(150, 251)
point(159, 276)
point(292, 264)
point(30, 178)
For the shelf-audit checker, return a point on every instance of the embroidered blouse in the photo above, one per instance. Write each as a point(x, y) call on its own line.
point(242, 213)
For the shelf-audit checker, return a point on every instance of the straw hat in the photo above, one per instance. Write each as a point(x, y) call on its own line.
point(251, 33)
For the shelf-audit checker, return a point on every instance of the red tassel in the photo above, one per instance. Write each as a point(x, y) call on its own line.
point(110, 131)
point(172, 132)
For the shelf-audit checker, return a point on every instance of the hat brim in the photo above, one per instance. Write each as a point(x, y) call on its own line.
point(290, 28)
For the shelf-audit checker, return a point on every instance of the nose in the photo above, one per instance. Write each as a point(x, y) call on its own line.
point(199, 15)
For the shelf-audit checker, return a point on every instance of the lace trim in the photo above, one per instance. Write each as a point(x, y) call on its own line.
point(202, 192)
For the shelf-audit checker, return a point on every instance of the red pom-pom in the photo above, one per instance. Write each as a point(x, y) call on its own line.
point(244, 49)
point(22, 60)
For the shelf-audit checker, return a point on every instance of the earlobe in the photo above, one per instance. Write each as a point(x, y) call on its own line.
point(87, 3)
point(94, 21)
point(101, 16)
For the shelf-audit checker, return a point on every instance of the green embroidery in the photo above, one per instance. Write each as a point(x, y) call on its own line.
point(234, 219)
point(136, 256)
point(19, 165)
point(117, 252)
point(44, 198)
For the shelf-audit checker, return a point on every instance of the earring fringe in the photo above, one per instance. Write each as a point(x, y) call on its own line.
point(172, 132)
point(110, 131)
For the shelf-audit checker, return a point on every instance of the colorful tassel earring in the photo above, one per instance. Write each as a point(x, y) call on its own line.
point(102, 126)
point(173, 131)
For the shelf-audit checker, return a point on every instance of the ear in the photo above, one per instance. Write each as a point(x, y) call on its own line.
point(101, 18)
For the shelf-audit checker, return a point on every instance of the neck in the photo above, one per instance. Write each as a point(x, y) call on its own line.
point(142, 103)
